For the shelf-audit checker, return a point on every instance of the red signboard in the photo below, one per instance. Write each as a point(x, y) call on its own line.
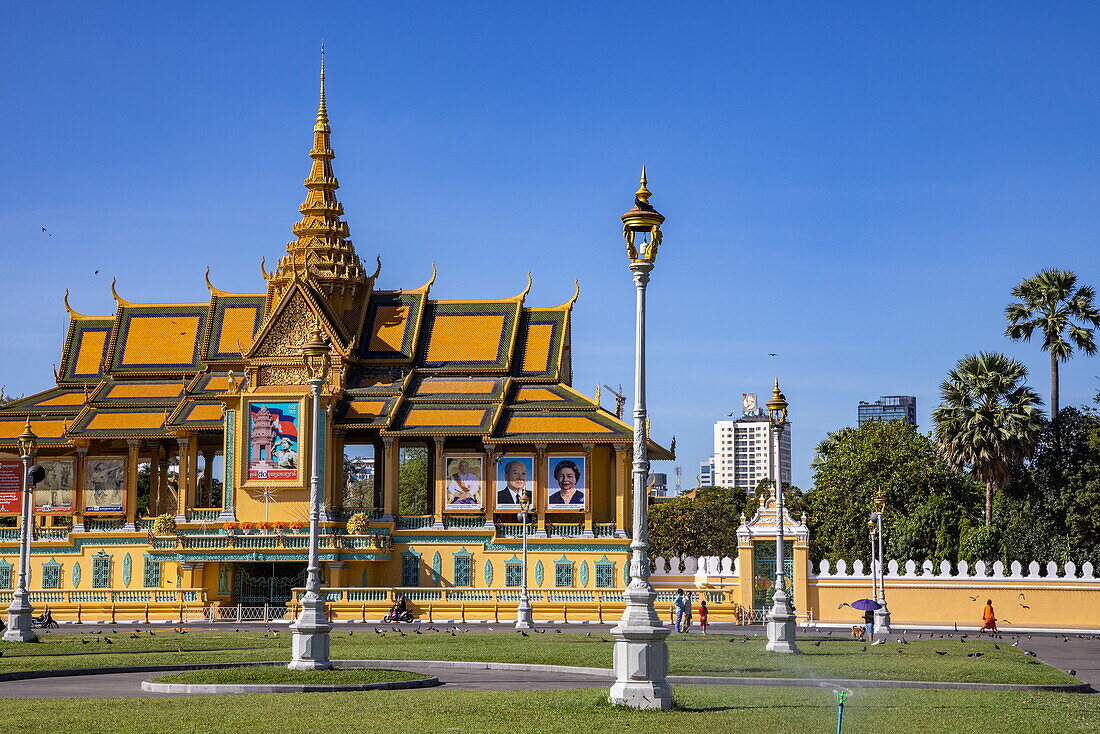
point(11, 487)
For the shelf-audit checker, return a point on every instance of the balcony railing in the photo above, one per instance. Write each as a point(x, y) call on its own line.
point(415, 522)
point(272, 541)
point(110, 596)
point(464, 522)
point(565, 529)
point(203, 514)
point(40, 534)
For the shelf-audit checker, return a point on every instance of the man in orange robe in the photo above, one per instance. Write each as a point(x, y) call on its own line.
point(989, 619)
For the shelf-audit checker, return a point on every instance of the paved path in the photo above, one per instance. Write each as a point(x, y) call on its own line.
point(128, 685)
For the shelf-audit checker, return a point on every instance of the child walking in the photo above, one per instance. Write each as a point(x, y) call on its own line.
point(703, 615)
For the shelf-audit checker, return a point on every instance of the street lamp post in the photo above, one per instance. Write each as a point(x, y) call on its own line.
point(781, 621)
point(20, 611)
point(641, 655)
point(882, 614)
point(523, 610)
point(311, 629)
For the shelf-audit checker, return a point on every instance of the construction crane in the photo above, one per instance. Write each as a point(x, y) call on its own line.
point(620, 399)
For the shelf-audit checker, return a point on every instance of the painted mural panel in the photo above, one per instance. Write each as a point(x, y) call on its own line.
point(568, 488)
point(464, 483)
point(515, 474)
point(273, 441)
point(104, 484)
point(54, 494)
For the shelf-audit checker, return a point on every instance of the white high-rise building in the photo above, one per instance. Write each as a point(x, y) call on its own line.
point(742, 456)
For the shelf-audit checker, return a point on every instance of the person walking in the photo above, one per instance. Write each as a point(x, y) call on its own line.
point(687, 613)
point(989, 618)
point(869, 626)
point(703, 615)
point(681, 605)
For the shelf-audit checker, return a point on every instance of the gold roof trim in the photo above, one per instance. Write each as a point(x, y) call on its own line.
point(219, 292)
point(427, 286)
point(75, 314)
point(119, 299)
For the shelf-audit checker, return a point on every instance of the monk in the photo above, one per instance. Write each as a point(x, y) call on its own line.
point(989, 619)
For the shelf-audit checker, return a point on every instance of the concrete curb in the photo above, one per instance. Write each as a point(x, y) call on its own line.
point(595, 672)
point(208, 689)
point(738, 681)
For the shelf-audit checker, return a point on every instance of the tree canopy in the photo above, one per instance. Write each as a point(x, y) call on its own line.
point(703, 525)
point(989, 419)
point(926, 501)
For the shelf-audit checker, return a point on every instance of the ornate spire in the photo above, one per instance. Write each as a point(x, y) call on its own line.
point(322, 252)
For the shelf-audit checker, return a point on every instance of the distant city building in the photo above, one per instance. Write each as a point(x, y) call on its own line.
point(889, 408)
point(658, 486)
point(360, 468)
point(742, 454)
point(706, 473)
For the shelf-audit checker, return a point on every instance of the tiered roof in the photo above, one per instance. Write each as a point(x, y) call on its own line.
point(409, 366)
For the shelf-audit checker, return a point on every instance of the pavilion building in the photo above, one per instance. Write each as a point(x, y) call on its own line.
point(154, 400)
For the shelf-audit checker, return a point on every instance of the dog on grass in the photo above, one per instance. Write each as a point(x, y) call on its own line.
point(859, 632)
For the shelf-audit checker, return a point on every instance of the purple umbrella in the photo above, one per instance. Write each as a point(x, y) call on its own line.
point(865, 605)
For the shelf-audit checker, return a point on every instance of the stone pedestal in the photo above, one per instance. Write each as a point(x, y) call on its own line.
point(524, 618)
point(641, 655)
point(882, 621)
point(781, 625)
point(311, 636)
point(19, 619)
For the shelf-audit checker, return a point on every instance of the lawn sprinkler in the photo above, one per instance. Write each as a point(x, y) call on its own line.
point(841, 695)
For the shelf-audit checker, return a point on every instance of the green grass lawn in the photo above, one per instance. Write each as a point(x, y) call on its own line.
point(690, 654)
point(703, 709)
point(270, 674)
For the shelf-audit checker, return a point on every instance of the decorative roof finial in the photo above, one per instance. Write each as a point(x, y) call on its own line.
point(322, 110)
point(642, 194)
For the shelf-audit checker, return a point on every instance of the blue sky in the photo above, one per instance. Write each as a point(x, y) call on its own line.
point(854, 188)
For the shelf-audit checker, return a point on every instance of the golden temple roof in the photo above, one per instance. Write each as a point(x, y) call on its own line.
point(406, 365)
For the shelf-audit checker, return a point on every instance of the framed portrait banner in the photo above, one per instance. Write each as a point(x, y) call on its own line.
point(54, 494)
point(465, 482)
point(103, 487)
point(11, 487)
point(568, 489)
point(514, 475)
point(273, 441)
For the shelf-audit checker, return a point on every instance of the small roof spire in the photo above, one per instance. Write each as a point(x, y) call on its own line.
point(322, 110)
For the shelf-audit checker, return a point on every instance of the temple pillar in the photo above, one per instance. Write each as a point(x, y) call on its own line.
point(435, 448)
point(337, 480)
point(801, 568)
point(335, 572)
point(183, 478)
point(165, 501)
point(488, 486)
point(621, 473)
point(391, 457)
point(439, 483)
point(588, 506)
point(129, 495)
point(379, 473)
point(79, 478)
point(206, 493)
point(542, 484)
point(191, 575)
point(154, 480)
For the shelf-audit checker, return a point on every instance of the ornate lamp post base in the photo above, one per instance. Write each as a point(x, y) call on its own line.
point(311, 638)
point(524, 618)
point(19, 619)
point(641, 655)
point(781, 626)
point(882, 620)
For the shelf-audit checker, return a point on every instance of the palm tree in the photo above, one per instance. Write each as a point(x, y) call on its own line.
point(1051, 303)
point(989, 420)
